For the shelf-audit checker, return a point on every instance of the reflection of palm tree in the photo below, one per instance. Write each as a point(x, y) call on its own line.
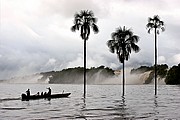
point(155, 107)
point(83, 21)
point(123, 42)
point(156, 24)
point(121, 110)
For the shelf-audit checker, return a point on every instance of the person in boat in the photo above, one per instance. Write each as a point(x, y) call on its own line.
point(42, 94)
point(49, 91)
point(28, 92)
point(37, 94)
point(45, 94)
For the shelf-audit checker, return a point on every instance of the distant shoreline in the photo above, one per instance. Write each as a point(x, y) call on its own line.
point(102, 76)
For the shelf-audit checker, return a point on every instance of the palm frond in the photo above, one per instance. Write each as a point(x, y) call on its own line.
point(135, 47)
point(150, 19)
point(93, 20)
point(128, 32)
point(156, 18)
point(113, 35)
point(73, 28)
point(83, 13)
point(90, 13)
point(77, 16)
point(95, 28)
point(149, 30)
point(111, 45)
point(128, 48)
point(163, 29)
point(150, 25)
point(135, 38)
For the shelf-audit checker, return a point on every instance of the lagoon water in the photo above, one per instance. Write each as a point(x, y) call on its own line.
point(103, 102)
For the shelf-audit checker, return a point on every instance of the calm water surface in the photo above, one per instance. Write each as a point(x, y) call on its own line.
point(103, 102)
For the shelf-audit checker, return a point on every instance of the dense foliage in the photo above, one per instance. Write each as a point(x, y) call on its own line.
point(173, 75)
point(75, 75)
point(161, 71)
point(141, 69)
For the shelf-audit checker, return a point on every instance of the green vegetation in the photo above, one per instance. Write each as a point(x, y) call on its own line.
point(75, 75)
point(101, 73)
point(173, 75)
point(161, 71)
point(141, 69)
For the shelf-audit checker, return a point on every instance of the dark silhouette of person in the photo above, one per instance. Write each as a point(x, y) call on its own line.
point(41, 93)
point(45, 94)
point(37, 94)
point(49, 92)
point(28, 92)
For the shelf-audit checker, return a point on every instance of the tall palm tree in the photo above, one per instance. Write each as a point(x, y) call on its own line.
point(156, 24)
point(84, 21)
point(122, 43)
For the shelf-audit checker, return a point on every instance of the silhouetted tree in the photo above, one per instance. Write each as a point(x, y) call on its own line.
point(122, 43)
point(156, 24)
point(84, 21)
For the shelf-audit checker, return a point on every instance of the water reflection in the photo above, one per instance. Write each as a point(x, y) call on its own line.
point(121, 109)
point(155, 108)
point(82, 107)
point(84, 103)
point(155, 101)
point(113, 109)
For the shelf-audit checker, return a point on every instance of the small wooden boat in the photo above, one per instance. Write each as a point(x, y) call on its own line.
point(34, 97)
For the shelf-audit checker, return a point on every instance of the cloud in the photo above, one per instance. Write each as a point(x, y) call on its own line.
point(161, 60)
point(175, 59)
point(67, 8)
point(35, 35)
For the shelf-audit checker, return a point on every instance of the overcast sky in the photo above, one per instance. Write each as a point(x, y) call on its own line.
point(35, 35)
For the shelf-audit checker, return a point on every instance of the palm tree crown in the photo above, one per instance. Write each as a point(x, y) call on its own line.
point(83, 21)
point(155, 23)
point(123, 42)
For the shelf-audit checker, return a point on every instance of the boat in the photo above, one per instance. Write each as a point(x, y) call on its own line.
point(24, 97)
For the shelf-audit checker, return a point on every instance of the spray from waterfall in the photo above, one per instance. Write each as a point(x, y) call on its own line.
point(35, 78)
point(93, 77)
point(133, 79)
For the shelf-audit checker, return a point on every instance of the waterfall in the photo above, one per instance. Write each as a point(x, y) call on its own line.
point(134, 79)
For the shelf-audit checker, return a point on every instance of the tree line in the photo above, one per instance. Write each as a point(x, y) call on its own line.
point(74, 75)
point(171, 75)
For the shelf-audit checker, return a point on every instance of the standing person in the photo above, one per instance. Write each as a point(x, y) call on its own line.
point(28, 92)
point(49, 92)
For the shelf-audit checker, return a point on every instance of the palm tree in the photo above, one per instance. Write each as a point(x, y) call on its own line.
point(122, 43)
point(156, 24)
point(84, 21)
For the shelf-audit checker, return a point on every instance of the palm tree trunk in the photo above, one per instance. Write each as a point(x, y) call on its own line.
point(84, 68)
point(123, 80)
point(155, 67)
point(123, 70)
